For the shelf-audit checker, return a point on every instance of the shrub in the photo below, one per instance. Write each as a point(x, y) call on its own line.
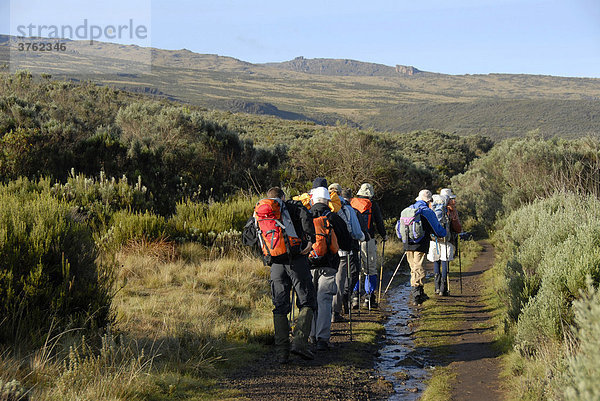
point(204, 222)
point(48, 269)
point(582, 370)
point(128, 226)
point(550, 246)
point(518, 171)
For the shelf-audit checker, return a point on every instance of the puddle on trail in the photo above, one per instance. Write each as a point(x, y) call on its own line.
point(398, 362)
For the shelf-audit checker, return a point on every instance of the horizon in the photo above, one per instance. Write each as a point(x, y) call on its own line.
point(533, 37)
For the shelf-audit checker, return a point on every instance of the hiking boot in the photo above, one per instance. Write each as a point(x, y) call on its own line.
point(437, 281)
point(322, 345)
point(282, 338)
point(345, 304)
point(337, 318)
point(355, 304)
point(424, 296)
point(374, 303)
point(415, 297)
point(301, 333)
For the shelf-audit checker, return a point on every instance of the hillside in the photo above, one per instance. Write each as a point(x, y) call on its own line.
point(336, 67)
point(397, 99)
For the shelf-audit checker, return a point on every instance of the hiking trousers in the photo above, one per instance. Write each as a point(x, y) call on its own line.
point(417, 270)
point(368, 254)
point(284, 277)
point(440, 271)
point(324, 280)
point(341, 282)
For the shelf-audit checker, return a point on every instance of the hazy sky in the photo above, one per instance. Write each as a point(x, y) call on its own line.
point(556, 37)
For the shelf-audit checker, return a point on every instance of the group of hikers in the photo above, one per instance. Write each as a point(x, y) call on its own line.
point(318, 243)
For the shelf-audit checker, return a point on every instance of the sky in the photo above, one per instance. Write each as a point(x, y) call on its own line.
point(551, 37)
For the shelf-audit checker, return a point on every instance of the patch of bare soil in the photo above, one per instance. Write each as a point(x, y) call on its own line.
point(343, 373)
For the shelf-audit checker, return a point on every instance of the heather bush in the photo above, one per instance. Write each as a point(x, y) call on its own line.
point(517, 171)
point(48, 275)
point(126, 226)
point(202, 222)
point(582, 370)
point(528, 239)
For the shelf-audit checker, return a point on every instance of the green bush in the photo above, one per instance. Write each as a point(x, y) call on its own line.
point(48, 275)
point(550, 246)
point(582, 370)
point(203, 222)
point(518, 171)
point(128, 226)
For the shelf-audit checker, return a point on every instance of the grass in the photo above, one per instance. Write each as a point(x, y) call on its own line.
point(181, 321)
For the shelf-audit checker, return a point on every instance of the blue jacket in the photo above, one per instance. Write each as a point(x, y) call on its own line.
point(431, 225)
point(348, 214)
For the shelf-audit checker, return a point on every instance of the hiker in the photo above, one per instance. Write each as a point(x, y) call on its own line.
point(286, 252)
point(424, 224)
point(354, 256)
point(331, 236)
point(305, 198)
point(348, 214)
point(369, 215)
point(441, 253)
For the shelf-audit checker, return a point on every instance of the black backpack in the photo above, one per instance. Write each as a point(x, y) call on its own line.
point(249, 233)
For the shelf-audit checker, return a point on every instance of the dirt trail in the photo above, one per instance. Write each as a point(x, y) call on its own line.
point(342, 373)
point(474, 359)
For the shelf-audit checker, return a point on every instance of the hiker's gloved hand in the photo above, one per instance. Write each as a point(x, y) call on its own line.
point(306, 250)
point(385, 238)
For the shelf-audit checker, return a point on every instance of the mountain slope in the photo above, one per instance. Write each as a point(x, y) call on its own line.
point(325, 90)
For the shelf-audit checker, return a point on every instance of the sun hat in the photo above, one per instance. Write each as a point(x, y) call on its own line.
point(448, 193)
point(366, 190)
point(335, 187)
point(424, 195)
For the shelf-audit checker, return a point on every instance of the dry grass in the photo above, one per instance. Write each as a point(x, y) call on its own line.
point(179, 318)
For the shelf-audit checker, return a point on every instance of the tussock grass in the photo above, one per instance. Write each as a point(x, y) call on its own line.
point(178, 321)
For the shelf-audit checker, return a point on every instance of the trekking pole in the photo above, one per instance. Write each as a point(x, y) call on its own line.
point(349, 280)
point(367, 277)
point(360, 262)
point(394, 275)
point(459, 262)
point(447, 266)
point(293, 305)
point(381, 272)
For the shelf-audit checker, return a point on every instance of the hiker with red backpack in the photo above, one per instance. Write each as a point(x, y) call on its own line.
point(286, 234)
point(370, 218)
point(331, 235)
point(348, 214)
point(417, 224)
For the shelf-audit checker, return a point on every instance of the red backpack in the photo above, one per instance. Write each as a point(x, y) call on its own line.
point(363, 207)
point(273, 238)
point(326, 240)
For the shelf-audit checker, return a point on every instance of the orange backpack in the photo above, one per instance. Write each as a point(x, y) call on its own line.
point(363, 207)
point(326, 240)
point(273, 238)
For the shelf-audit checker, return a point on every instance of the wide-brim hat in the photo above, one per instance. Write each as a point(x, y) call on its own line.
point(448, 193)
point(424, 195)
point(366, 190)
